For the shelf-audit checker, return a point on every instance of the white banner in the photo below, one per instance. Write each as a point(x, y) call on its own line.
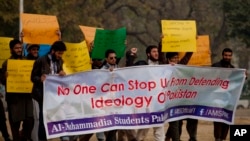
point(139, 97)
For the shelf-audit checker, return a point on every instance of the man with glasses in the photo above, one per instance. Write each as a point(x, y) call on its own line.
point(110, 60)
point(110, 64)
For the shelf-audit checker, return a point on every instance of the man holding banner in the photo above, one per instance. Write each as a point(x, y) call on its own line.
point(153, 59)
point(220, 128)
point(110, 56)
point(20, 105)
point(48, 64)
point(175, 127)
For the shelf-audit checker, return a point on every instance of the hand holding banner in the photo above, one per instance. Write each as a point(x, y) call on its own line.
point(100, 100)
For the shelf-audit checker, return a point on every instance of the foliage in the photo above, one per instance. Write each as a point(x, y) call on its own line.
point(238, 19)
point(9, 18)
point(140, 17)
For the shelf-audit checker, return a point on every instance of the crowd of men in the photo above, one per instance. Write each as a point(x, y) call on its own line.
point(22, 107)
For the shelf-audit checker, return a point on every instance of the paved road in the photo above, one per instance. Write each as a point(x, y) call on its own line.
point(242, 113)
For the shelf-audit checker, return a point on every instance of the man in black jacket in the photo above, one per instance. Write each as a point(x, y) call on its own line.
point(221, 129)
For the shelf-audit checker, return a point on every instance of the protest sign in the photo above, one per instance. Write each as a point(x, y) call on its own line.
point(76, 58)
point(100, 100)
point(4, 49)
point(179, 36)
point(19, 72)
point(203, 55)
point(109, 39)
point(39, 29)
point(89, 34)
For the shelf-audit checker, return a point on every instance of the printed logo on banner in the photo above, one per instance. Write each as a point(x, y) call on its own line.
point(201, 112)
point(239, 132)
point(171, 112)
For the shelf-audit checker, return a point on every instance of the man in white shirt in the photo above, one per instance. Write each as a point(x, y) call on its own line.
point(152, 59)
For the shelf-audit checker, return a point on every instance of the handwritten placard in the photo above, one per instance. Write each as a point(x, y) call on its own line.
point(89, 34)
point(18, 80)
point(76, 58)
point(4, 49)
point(179, 36)
point(109, 39)
point(203, 55)
point(39, 29)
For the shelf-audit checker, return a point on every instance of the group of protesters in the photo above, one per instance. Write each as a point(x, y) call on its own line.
point(23, 107)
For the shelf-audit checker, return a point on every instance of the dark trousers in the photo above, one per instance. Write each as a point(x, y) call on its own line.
point(28, 124)
point(85, 137)
point(3, 127)
point(41, 127)
point(111, 135)
point(26, 131)
point(173, 131)
point(191, 127)
point(220, 130)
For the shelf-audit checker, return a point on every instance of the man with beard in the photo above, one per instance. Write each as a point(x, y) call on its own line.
point(48, 64)
point(20, 105)
point(110, 64)
point(221, 129)
point(33, 50)
point(153, 59)
point(175, 127)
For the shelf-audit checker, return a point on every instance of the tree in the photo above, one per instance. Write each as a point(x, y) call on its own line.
point(238, 19)
point(9, 18)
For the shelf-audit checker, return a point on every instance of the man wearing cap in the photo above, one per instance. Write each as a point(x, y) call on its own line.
point(33, 50)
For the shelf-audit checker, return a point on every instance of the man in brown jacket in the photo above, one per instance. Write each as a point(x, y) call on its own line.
point(51, 63)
